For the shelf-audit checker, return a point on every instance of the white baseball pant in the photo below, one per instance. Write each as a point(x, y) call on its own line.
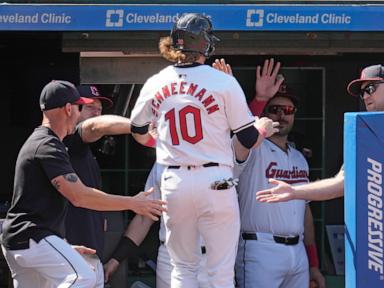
point(195, 209)
point(50, 263)
point(94, 262)
point(164, 269)
point(264, 263)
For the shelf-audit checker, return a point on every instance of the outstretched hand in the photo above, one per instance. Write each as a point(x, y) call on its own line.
point(147, 207)
point(220, 65)
point(268, 80)
point(282, 192)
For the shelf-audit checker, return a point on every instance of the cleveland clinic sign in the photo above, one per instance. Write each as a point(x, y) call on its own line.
point(78, 17)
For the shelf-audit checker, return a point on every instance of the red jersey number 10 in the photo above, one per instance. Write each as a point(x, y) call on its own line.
point(182, 120)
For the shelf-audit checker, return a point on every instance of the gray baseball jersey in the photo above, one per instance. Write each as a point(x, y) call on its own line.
point(270, 161)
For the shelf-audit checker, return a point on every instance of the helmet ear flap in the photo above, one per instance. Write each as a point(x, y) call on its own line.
point(212, 40)
point(210, 50)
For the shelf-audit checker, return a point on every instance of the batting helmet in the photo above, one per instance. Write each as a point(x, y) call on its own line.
point(192, 32)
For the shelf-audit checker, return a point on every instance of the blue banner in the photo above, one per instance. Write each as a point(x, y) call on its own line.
point(288, 17)
point(364, 160)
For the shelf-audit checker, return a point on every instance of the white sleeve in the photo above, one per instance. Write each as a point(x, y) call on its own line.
point(236, 108)
point(143, 113)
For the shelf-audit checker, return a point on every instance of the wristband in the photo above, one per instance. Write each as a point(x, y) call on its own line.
point(313, 259)
point(151, 142)
point(126, 248)
point(262, 132)
point(257, 106)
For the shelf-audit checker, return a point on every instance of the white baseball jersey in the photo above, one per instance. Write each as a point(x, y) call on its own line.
point(270, 161)
point(195, 108)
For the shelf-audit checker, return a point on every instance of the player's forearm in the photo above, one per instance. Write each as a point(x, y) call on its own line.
point(241, 153)
point(309, 239)
point(260, 139)
point(95, 128)
point(138, 229)
point(95, 199)
point(321, 190)
point(309, 227)
point(257, 105)
point(143, 139)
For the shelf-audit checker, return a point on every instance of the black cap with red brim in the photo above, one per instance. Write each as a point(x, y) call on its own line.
point(58, 93)
point(371, 73)
point(91, 91)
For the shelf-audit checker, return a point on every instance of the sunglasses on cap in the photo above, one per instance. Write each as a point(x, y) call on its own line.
point(370, 89)
point(286, 109)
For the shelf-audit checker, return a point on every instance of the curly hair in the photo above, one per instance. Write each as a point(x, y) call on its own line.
point(173, 55)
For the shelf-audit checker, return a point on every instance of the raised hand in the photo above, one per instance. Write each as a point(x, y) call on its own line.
point(268, 80)
point(220, 65)
point(266, 126)
point(147, 207)
point(282, 192)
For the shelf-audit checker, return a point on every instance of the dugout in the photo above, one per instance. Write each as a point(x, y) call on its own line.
point(319, 58)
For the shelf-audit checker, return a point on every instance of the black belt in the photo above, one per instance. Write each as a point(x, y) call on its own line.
point(278, 239)
point(203, 249)
point(210, 164)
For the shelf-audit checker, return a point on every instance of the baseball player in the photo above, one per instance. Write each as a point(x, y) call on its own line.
point(268, 83)
point(271, 249)
point(137, 231)
point(195, 108)
point(370, 88)
point(33, 231)
point(86, 226)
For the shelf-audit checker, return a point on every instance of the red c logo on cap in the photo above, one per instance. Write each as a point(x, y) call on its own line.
point(94, 91)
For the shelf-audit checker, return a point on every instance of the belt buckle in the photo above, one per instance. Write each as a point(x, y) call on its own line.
point(286, 240)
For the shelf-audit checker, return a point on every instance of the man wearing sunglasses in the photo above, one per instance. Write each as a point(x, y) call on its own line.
point(370, 88)
point(271, 249)
point(45, 181)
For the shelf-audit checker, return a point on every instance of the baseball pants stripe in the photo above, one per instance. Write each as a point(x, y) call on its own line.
point(50, 263)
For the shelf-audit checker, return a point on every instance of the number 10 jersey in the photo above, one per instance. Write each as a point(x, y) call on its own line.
point(194, 108)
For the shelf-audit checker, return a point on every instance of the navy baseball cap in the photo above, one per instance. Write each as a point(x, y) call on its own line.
point(57, 93)
point(371, 73)
point(91, 91)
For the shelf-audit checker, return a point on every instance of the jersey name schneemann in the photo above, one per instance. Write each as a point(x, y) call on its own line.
point(184, 88)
